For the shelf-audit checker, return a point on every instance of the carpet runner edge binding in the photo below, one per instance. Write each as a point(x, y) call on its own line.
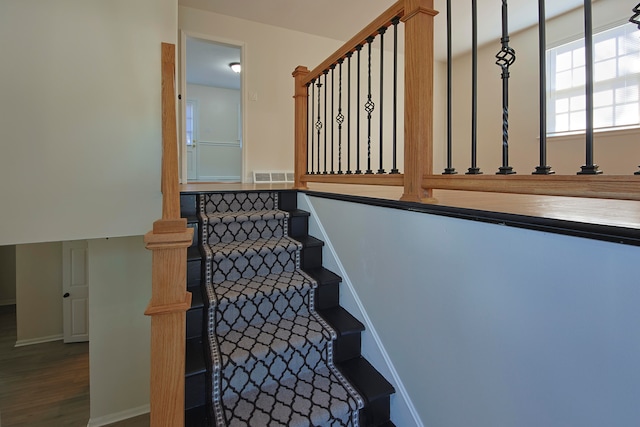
point(271, 353)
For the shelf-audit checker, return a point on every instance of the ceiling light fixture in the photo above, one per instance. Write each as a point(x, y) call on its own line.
point(235, 66)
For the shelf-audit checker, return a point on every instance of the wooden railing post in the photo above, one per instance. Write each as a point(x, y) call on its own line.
point(300, 130)
point(418, 109)
point(169, 241)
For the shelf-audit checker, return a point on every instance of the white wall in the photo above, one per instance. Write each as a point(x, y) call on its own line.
point(38, 292)
point(615, 152)
point(490, 325)
point(218, 135)
point(7, 275)
point(80, 117)
point(119, 349)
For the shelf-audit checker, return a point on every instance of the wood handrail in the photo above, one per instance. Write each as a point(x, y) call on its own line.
point(384, 20)
point(168, 241)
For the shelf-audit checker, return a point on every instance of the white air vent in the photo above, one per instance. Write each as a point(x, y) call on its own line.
point(272, 177)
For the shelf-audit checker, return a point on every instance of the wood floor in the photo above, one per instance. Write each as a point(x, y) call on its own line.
point(618, 213)
point(45, 385)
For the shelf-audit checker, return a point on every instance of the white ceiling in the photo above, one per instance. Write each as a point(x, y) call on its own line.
point(207, 63)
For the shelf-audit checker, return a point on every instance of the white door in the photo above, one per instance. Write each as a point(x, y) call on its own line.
point(75, 291)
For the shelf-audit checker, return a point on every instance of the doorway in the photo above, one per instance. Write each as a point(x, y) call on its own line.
point(212, 113)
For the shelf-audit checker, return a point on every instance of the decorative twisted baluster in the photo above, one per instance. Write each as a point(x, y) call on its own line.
point(505, 58)
point(369, 106)
point(474, 169)
point(340, 116)
point(381, 31)
point(319, 123)
point(449, 170)
point(395, 21)
point(634, 20)
point(333, 94)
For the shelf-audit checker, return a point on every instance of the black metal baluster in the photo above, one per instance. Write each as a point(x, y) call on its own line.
point(395, 22)
point(505, 58)
point(449, 170)
point(333, 94)
point(381, 31)
point(313, 113)
point(589, 168)
point(474, 169)
point(309, 128)
point(369, 106)
point(543, 169)
point(634, 20)
point(325, 72)
point(358, 171)
point(340, 116)
point(349, 55)
point(319, 124)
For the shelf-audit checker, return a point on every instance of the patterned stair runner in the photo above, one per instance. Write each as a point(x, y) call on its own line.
point(271, 353)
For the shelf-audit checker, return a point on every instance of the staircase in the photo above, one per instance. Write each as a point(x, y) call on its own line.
point(266, 336)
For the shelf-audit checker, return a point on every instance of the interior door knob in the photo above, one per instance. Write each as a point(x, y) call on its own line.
point(66, 295)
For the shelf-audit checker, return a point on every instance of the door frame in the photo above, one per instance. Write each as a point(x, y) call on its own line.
point(184, 34)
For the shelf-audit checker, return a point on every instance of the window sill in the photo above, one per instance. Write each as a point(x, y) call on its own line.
point(573, 136)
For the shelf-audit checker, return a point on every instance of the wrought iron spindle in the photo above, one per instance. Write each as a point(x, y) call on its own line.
point(381, 31)
point(505, 58)
point(474, 169)
point(333, 94)
point(589, 168)
point(325, 72)
point(634, 19)
point(340, 116)
point(349, 55)
point(369, 106)
point(318, 124)
point(395, 22)
point(358, 171)
point(309, 129)
point(543, 168)
point(449, 170)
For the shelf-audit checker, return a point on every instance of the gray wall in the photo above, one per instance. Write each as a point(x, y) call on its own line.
point(489, 325)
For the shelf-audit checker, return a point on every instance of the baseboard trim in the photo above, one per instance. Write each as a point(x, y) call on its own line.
point(7, 302)
point(40, 340)
point(118, 416)
point(410, 409)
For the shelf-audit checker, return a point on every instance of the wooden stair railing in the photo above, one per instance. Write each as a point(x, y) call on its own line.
point(418, 178)
point(168, 241)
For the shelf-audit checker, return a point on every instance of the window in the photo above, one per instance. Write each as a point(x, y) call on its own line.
point(190, 121)
point(616, 75)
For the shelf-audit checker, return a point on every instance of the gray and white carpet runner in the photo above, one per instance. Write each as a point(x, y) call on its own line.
point(271, 353)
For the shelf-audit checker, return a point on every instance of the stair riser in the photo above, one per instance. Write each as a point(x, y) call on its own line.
point(376, 413)
point(257, 310)
point(311, 257)
point(327, 296)
point(272, 369)
point(242, 229)
point(194, 322)
point(347, 347)
point(298, 226)
point(251, 265)
point(195, 391)
point(235, 202)
point(194, 273)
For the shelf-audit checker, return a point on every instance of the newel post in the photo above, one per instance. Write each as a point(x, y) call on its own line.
point(300, 96)
point(170, 300)
point(418, 110)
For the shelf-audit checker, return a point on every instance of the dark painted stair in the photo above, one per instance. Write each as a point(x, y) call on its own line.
point(371, 385)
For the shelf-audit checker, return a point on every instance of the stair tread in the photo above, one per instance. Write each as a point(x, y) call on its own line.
point(341, 320)
point(242, 216)
point(366, 379)
point(194, 360)
point(387, 424)
point(316, 389)
point(323, 276)
point(235, 249)
point(309, 241)
point(298, 212)
point(196, 297)
point(231, 291)
point(196, 417)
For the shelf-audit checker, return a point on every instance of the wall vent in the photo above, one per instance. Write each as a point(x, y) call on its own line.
point(272, 177)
